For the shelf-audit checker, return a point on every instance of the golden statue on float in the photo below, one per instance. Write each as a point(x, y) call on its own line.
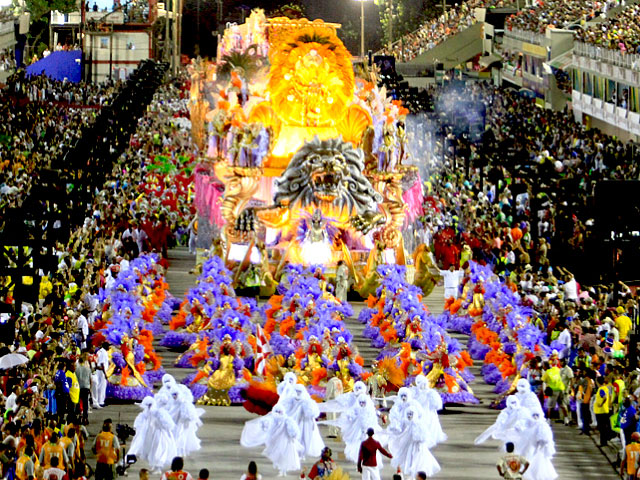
point(311, 157)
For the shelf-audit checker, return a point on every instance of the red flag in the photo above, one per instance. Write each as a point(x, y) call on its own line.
point(263, 349)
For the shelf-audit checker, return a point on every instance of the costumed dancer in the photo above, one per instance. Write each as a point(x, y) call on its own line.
point(154, 441)
point(334, 390)
point(315, 237)
point(304, 411)
point(527, 398)
point(280, 435)
point(287, 387)
point(410, 447)
point(510, 426)
point(402, 402)
point(342, 281)
point(431, 403)
point(167, 386)
point(354, 424)
point(187, 421)
point(540, 450)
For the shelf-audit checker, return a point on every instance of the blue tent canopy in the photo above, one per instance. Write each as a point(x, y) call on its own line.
point(58, 66)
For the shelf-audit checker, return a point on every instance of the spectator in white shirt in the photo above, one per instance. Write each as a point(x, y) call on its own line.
point(565, 339)
point(451, 279)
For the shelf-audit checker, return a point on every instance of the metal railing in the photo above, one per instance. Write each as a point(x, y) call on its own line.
point(630, 61)
point(525, 36)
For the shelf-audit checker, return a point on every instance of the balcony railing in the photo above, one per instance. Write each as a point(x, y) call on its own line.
point(606, 55)
point(526, 36)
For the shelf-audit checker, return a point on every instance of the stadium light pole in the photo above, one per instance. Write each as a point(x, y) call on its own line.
point(362, 50)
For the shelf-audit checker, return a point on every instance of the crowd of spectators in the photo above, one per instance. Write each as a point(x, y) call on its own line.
point(558, 14)
point(550, 163)
point(521, 211)
point(7, 60)
point(42, 118)
point(619, 33)
point(44, 403)
point(439, 29)
point(44, 89)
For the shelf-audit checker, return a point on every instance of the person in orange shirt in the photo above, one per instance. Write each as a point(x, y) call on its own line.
point(25, 468)
point(176, 473)
point(107, 450)
point(52, 449)
point(630, 458)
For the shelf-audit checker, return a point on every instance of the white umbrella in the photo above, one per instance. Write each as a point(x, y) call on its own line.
point(12, 360)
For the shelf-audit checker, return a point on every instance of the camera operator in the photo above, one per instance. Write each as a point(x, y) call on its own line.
point(107, 450)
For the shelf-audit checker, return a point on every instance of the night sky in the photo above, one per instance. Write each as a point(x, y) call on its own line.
point(346, 12)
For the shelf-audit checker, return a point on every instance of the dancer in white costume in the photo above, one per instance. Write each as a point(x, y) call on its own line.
point(281, 437)
point(410, 448)
point(540, 450)
point(187, 421)
point(344, 402)
point(304, 411)
point(168, 382)
point(527, 398)
point(316, 245)
point(153, 441)
point(354, 424)
point(510, 426)
point(286, 387)
point(396, 415)
point(431, 403)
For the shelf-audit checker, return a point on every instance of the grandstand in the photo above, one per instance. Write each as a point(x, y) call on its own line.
point(581, 55)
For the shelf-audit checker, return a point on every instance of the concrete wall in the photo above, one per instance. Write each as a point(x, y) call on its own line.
point(126, 50)
point(7, 36)
point(560, 41)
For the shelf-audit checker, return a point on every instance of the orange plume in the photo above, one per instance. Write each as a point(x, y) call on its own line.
point(318, 375)
point(124, 376)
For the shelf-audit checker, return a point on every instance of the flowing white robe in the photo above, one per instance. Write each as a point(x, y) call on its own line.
point(154, 440)
point(303, 410)
point(281, 437)
point(431, 403)
point(540, 451)
point(510, 426)
point(410, 448)
point(187, 420)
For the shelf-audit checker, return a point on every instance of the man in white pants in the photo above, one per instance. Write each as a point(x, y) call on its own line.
point(367, 463)
point(451, 279)
point(102, 364)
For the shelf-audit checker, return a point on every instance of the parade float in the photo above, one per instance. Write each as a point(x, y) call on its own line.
point(305, 162)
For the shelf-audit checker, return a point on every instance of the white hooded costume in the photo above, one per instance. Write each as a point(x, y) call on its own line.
point(304, 411)
point(431, 403)
point(527, 398)
point(510, 426)
point(154, 441)
point(187, 421)
point(286, 387)
point(281, 437)
point(540, 450)
point(168, 382)
point(410, 448)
